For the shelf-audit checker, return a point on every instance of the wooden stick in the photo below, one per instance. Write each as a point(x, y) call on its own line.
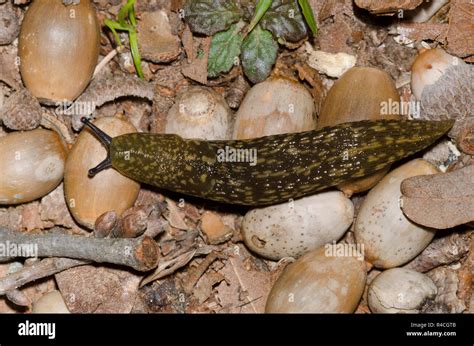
point(38, 270)
point(140, 253)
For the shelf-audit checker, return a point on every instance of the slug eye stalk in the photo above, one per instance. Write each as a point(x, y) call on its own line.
point(106, 140)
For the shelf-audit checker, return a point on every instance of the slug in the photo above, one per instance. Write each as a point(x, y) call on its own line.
point(286, 166)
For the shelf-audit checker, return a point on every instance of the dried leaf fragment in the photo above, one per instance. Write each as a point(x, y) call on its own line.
point(440, 201)
point(157, 42)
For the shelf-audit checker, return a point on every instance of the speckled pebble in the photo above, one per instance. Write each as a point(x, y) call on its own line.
point(294, 228)
point(400, 290)
point(389, 238)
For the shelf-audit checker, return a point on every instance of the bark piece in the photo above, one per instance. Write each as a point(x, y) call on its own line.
point(446, 301)
point(38, 270)
point(441, 251)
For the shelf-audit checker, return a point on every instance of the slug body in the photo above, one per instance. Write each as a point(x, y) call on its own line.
point(285, 166)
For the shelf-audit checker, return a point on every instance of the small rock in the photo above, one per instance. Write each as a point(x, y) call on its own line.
point(214, 228)
point(387, 7)
point(332, 65)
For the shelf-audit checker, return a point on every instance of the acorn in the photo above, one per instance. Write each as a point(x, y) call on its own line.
point(322, 281)
point(390, 239)
point(58, 49)
point(443, 85)
point(275, 106)
point(400, 290)
point(362, 93)
point(295, 228)
point(88, 198)
point(31, 165)
point(199, 113)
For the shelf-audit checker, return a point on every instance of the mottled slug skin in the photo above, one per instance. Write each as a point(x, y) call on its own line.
point(288, 166)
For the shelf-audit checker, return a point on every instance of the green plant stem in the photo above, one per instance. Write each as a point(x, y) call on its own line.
point(121, 24)
point(308, 15)
point(260, 10)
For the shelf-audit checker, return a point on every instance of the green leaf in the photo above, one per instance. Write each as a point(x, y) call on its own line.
point(259, 53)
point(284, 20)
point(225, 48)
point(308, 15)
point(210, 16)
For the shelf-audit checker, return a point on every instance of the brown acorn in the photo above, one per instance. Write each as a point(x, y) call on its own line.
point(89, 198)
point(58, 49)
point(31, 165)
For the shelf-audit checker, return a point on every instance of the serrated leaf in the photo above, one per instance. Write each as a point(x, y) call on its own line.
point(210, 16)
point(259, 53)
point(284, 20)
point(225, 47)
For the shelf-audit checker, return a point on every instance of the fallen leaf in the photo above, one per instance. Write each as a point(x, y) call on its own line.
point(205, 285)
point(440, 201)
point(168, 267)
point(176, 216)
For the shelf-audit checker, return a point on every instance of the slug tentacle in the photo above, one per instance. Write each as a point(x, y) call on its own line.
point(270, 169)
point(106, 140)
